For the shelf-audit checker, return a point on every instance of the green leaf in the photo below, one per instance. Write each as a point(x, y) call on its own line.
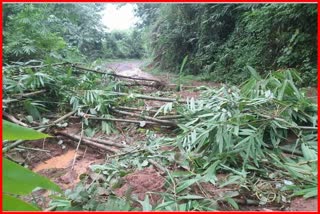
point(11, 203)
point(254, 73)
point(185, 184)
point(308, 154)
point(12, 131)
point(232, 203)
point(312, 193)
point(183, 63)
point(146, 206)
point(113, 204)
point(22, 181)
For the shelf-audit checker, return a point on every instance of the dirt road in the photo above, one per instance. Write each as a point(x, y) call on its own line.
point(130, 68)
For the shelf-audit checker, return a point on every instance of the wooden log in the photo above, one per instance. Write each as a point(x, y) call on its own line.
point(86, 141)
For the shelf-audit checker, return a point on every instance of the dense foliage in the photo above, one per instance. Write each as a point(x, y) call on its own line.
point(221, 39)
point(71, 32)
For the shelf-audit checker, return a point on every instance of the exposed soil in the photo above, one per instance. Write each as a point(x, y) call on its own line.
point(142, 183)
point(301, 204)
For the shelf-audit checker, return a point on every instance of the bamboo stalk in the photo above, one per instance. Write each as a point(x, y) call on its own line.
point(40, 129)
point(126, 153)
point(33, 149)
point(13, 119)
point(114, 120)
point(122, 120)
point(140, 96)
point(40, 66)
point(182, 86)
point(29, 94)
point(88, 142)
point(165, 122)
point(157, 165)
point(116, 75)
point(64, 117)
point(135, 109)
point(170, 117)
point(18, 142)
point(141, 84)
point(58, 120)
point(78, 146)
point(6, 101)
point(106, 142)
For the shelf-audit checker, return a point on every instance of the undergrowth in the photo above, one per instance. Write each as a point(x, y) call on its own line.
point(242, 133)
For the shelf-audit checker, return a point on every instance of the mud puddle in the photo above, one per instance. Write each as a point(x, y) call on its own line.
point(61, 161)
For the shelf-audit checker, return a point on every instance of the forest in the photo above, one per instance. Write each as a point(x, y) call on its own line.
point(197, 107)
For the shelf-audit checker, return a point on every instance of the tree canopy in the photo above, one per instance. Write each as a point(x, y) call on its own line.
point(221, 39)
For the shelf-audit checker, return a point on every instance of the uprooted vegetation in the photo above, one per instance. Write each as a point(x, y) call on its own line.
point(230, 148)
point(117, 138)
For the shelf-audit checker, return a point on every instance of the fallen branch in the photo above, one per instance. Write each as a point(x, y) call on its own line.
point(13, 119)
point(88, 142)
point(164, 122)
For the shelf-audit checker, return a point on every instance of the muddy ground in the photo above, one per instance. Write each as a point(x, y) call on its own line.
point(58, 159)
